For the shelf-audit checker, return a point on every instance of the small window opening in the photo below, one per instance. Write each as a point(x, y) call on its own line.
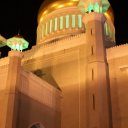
point(93, 96)
point(92, 74)
point(92, 50)
point(37, 125)
point(91, 31)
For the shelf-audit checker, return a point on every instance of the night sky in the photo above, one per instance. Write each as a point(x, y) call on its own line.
point(21, 16)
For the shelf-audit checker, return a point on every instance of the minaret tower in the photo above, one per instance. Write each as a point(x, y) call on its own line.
point(99, 104)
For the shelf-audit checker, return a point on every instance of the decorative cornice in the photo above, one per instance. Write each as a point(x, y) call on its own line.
point(117, 51)
point(55, 46)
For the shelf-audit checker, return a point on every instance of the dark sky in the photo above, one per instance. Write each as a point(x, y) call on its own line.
point(21, 15)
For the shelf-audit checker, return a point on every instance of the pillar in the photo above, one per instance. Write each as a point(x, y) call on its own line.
point(99, 104)
point(10, 96)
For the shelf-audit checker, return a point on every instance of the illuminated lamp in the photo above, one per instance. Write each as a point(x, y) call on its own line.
point(17, 43)
point(2, 41)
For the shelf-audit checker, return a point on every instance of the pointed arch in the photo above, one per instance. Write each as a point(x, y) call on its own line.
point(37, 125)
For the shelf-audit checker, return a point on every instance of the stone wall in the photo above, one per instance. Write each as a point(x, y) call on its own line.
point(118, 74)
point(38, 102)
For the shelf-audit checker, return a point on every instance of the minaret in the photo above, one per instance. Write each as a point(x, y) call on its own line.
point(9, 109)
point(10, 94)
point(99, 105)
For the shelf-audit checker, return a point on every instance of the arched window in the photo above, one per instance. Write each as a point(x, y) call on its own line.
point(67, 21)
point(55, 23)
point(73, 21)
point(50, 26)
point(61, 22)
point(106, 27)
point(46, 29)
point(80, 21)
point(37, 125)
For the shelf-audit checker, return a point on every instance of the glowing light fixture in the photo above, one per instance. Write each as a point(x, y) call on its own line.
point(2, 41)
point(17, 43)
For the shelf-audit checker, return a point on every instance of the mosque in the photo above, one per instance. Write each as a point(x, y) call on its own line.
point(74, 77)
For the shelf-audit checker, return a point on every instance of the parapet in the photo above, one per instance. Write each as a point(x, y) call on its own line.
point(117, 51)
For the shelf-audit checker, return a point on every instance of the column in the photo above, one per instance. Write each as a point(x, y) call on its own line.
point(11, 91)
point(99, 103)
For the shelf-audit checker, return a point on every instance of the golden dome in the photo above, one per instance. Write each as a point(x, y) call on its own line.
point(110, 14)
point(51, 5)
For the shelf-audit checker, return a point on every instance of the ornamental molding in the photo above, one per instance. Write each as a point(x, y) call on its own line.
point(53, 47)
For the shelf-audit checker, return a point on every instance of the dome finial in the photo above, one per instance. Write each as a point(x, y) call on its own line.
point(17, 43)
point(18, 32)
